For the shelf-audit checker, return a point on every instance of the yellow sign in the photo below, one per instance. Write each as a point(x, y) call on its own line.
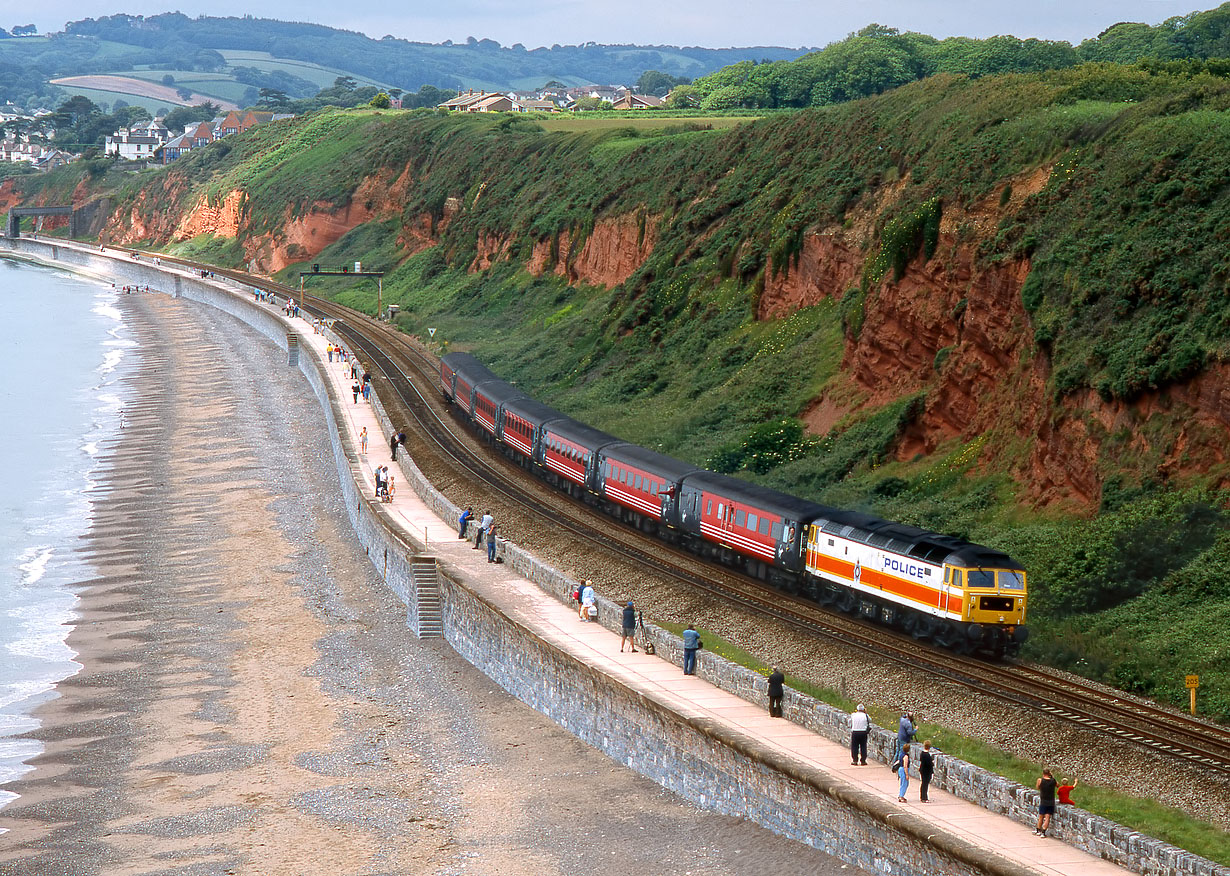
point(1193, 682)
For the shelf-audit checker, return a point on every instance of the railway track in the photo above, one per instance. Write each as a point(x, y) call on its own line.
point(410, 391)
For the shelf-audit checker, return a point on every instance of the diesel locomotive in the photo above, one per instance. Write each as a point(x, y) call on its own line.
point(959, 595)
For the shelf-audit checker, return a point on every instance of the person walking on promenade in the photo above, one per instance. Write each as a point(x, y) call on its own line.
point(329, 350)
point(903, 773)
point(482, 529)
point(367, 385)
point(356, 389)
point(691, 644)
point(926, 769)
point(396, 441)
point(906, 731)
point(777, 690)
point(379, 481)
point(589, 599)
point(1046, 801)
point(1065, 791)
point(363, 440)
point(860, 725)
point(629, 627)
point(491, 542)
point(463, 522)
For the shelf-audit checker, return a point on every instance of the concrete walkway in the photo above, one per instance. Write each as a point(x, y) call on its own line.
point(664, 682)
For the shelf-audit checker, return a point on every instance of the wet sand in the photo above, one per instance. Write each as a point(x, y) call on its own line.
point(250, 700)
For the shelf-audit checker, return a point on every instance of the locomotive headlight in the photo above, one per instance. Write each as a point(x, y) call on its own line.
point(1001, 618)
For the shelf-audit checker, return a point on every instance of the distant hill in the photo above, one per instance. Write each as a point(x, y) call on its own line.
point(251, 53)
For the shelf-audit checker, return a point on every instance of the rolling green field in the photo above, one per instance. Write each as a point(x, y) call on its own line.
point(219, 85)
point(153, 104)
point(322, 76)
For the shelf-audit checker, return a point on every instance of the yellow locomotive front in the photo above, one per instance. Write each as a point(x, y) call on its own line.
point(993, 599)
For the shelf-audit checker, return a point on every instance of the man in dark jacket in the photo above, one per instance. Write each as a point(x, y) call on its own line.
point(629, 628)
point(776, 692)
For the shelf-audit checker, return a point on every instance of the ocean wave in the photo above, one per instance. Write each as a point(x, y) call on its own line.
point(106, 308)
point(111, 361)
point(33, 563)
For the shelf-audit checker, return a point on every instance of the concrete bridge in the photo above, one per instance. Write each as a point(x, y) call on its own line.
point(13, 228)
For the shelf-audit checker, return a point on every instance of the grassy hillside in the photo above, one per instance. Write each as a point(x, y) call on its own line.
point(1125, 301)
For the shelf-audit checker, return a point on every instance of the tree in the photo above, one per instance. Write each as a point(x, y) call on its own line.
point(168, 79)
point(273, 97)
point(345, 83)
point(24, 30)
point(396, 93)
point(184, 93)
point(380, 101)
point(591, 103)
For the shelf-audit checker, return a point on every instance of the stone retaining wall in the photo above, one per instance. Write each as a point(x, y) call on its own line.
point(701, 761)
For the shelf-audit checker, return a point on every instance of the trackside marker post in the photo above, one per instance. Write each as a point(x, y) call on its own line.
point(1193, 682)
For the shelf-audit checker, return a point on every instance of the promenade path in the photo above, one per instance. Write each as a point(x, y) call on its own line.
point(664, 682)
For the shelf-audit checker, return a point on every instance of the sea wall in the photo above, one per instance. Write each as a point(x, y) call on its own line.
point(701, 761)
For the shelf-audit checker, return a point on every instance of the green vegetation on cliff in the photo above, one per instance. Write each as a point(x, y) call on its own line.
point(1103, 187)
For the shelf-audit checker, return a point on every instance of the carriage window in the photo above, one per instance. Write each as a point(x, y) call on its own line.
point(764, 525)
point(777, 532)
point(721, 511)
point(709, 507)
point(739, 517)
point(751, 522)
point(638, 482)
point(653, 488)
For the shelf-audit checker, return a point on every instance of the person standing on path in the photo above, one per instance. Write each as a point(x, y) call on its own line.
point(777, 690)
point(903, 773)
point(691, 644)
point(396, 441)
point(906, 731)
point(356, 389)
point(1046, 802)
point(463, 522)
point(629, 627)
point(589, 599)
point(926, 769)
point(860, 725)
point(363, 440)
point(487, 521)
point(491, 542)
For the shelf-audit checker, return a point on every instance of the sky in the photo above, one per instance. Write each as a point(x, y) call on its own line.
point(711, 23)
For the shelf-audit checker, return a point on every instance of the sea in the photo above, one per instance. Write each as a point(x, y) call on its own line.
point(64, 346)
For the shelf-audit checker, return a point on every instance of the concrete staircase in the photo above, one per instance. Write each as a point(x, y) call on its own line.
point(427, 594)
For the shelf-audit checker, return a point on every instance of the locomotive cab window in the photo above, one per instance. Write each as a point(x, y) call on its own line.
point(1011, 580)
point(980, 578)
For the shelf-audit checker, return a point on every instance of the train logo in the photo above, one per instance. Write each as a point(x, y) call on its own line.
point(858, 572)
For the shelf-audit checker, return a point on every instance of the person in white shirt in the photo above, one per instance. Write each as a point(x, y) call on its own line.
point(859, 726)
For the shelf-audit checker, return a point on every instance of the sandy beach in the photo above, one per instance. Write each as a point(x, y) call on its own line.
point(250, 700)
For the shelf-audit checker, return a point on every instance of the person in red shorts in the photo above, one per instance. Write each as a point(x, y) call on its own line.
point(1064, 790)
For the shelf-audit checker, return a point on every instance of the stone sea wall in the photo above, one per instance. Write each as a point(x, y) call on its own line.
point(699, 760)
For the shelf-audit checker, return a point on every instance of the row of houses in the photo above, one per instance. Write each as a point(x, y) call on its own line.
point(549, 102)
point(151, 141)
point(18, 149)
